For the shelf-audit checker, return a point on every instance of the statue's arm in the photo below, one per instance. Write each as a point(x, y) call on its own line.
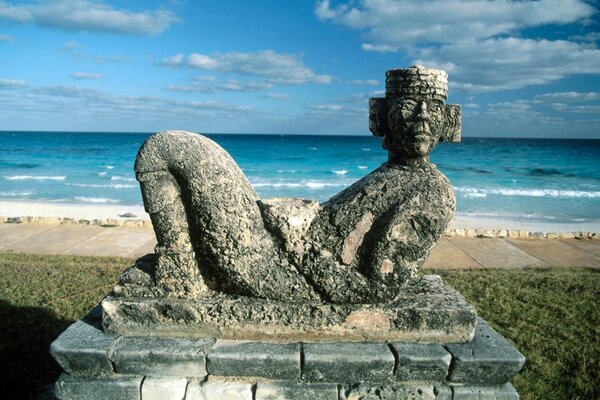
point(410, 231)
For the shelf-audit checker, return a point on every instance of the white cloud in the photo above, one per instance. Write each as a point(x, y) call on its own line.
point(541, 116)
point(173, 61)
point(70, 45)
point(80, 101)
point(278, 96)
point(205, 78)
point(73, 49)
point(201, 61)
point(509, 63)
point(85, 75)
point(395, 24)
point(12, 84)
point(379, 48)
point(274, 67)
point(200, 85)
point(474, 41)
point(370, 82)
point(14, 13)
point(570, 102)
point(89, 16)
point(6, 38)
point(110, 59)
point(325, 107)
point(588, 37)
point(569, 96)
point(578, 109)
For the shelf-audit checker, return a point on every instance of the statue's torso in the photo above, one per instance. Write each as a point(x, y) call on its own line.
point(372, 236)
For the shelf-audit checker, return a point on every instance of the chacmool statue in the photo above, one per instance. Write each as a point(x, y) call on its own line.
point(362, 246)
point(243, 294)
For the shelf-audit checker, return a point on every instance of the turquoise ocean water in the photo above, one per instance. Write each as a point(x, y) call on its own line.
point(539, 180)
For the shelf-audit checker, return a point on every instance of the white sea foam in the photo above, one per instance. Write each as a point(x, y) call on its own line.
point(556, 193)
point(35, 178)
point(475, 194)
point(15, 193)
point(363, 167)
point(259, 183)
point(105, 185)
point(339, 171)
point(504, 215)
point(102, 173)
point(287, 171)
point(109, 167)
point(99, 200)
point(121, 178)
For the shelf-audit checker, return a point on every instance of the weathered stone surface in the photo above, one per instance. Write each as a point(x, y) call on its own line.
point(504, 392)
point(213, 236)
point(98, 388)
point(488, 359)
point(83, 349)
point(288, 219)
point(161, 357)
point(201, 203)
point(164, 388)
point(296, 391)
point(421, 362)
point(362, 246)
point(427, 311)
point(268, 360)
point(387, 392)
point(347, 362)
point(216, 390)
point(443, 392)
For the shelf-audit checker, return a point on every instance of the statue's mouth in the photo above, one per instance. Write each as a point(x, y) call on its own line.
point(421, 131)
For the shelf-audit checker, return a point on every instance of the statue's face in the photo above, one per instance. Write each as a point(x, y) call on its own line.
point(415, 126)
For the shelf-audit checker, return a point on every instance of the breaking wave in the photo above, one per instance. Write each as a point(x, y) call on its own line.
point(97, 200)
point(103, 185)
point(555, 193)
point(35, 178)
point(121, 178)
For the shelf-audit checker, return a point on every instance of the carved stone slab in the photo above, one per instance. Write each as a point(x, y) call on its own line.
point(427, 311)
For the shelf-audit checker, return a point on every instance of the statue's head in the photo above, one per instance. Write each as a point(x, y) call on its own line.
point(413, 116)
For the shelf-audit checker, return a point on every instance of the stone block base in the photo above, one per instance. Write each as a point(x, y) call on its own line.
point(120, 367)
point(428, 311)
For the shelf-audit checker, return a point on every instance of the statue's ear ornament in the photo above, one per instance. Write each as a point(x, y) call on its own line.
point(451, 131)
point(378, 124)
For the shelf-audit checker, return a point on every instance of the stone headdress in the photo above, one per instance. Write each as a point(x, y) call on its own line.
point(418, 82)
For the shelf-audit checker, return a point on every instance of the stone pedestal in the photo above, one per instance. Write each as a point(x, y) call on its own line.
point(101, 365)
point(426, 311)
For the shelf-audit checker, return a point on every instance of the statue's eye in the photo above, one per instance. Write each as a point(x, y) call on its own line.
point(434, 107)
point(407, 107)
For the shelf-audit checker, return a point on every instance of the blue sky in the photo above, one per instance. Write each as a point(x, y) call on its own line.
point(519, 68)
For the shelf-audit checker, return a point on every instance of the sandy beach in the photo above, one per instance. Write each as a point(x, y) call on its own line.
point(44, 212)
point(13, 209)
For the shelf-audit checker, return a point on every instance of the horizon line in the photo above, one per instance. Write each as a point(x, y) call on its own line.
point(278, 134)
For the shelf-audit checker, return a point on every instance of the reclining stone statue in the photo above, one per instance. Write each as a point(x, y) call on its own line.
point(285, 298)
point(215, 236)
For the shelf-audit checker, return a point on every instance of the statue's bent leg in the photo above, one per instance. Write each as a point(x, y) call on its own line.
point(199, 198)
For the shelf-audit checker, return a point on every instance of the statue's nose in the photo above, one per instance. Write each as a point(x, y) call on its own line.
point(422, 113)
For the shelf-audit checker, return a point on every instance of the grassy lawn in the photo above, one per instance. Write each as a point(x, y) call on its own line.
point(551, 315)
point(39, 297)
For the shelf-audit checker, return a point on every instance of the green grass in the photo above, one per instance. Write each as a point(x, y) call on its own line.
point(551, 315)
point(39, 297)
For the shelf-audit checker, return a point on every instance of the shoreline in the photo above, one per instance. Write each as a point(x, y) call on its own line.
point(135, 216)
